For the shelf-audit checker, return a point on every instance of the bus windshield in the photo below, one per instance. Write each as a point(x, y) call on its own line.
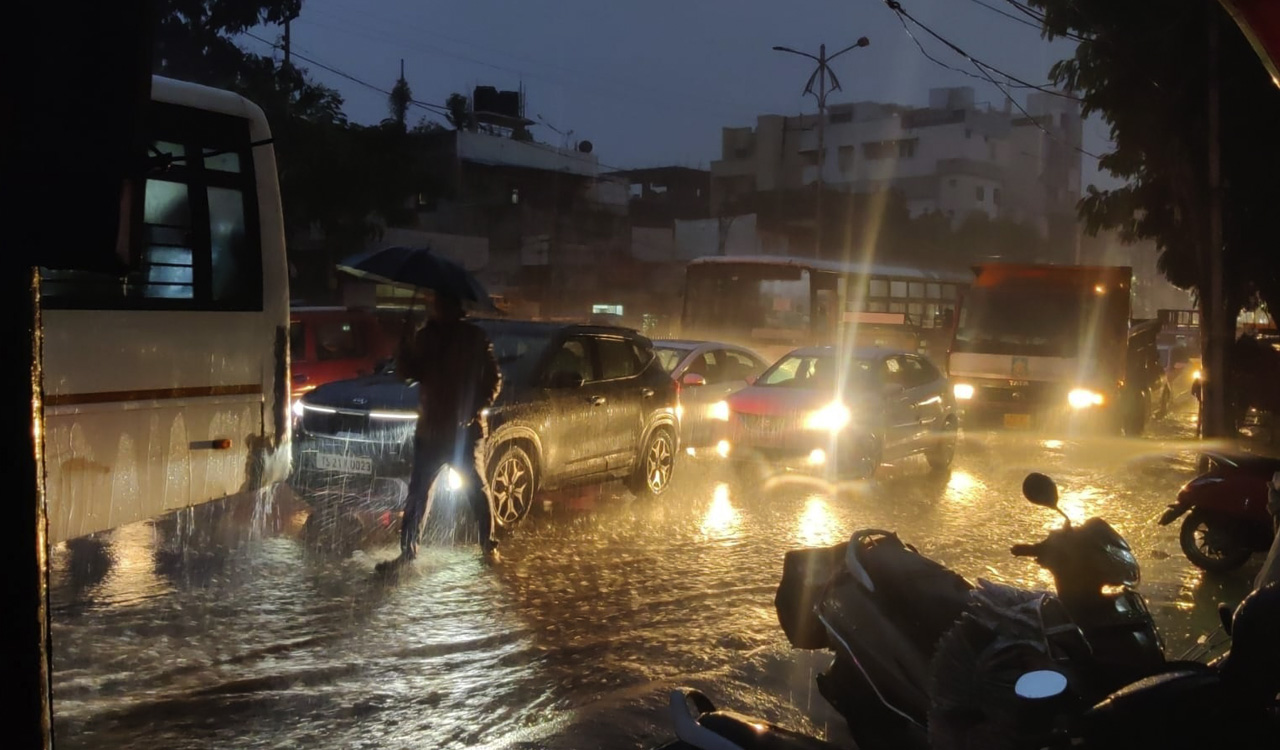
point(1037, 319)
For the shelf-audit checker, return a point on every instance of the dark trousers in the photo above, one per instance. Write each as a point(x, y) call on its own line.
point(433, 451)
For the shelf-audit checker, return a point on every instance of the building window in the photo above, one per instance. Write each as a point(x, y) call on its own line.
point(897, 289)
point(995, 196)
point(915, 290)
point(907, 148)
point(841, 116)
point(809, 158)
point(934, 291)
point(742, 152)
point(879, 288)
point(980, 192)
point(515, 196)
point(845, 158)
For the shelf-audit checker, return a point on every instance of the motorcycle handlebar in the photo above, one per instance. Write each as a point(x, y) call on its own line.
point(1025, 550)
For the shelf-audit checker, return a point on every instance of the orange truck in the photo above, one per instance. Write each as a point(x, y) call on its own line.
point(1042, 346)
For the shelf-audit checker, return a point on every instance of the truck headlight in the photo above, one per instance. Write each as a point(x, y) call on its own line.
point(833, 417)
point(1083, 398)
point(719, 411)
point(962, 391)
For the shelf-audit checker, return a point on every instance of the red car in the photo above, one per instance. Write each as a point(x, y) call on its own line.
point(327, 344)
point(1228, 519)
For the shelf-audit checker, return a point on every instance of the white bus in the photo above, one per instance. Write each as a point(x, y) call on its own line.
point(168, 386)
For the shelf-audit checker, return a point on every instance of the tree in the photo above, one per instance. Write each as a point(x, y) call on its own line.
point(399, 100)
point(459, 116)
point(1145, 68)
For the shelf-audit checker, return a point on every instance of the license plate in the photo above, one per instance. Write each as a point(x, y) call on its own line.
point(345, 464)
point(1017, 421)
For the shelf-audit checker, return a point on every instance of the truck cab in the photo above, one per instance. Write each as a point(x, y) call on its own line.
point(1048, 346)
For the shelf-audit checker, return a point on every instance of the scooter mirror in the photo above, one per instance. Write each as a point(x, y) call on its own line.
point(1040, 490)
point(1041, 684)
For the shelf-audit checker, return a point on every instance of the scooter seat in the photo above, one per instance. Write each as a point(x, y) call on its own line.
point(925, 597)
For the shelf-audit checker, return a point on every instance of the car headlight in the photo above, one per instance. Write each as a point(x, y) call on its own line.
point(297, 408)
point(833, 417)
point(719, 410)
point(962, 391)
point(1083, 398)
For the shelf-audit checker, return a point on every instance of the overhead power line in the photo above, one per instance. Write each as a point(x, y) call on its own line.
point(985, 70)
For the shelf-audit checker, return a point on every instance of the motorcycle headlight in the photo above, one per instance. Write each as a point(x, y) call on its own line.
point(833, 417)
point(1083, 398)
point(719, 411)
point(962, 391)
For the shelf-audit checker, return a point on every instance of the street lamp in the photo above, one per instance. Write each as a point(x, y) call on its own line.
point(820, 75)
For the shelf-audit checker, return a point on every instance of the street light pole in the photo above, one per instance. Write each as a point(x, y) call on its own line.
point(820, 76)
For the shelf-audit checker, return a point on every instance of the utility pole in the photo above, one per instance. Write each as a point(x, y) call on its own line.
point(285, 44)
point(820, 76)
point(1215, 343)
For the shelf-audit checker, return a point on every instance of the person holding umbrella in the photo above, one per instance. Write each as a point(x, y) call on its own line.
point(453, 362)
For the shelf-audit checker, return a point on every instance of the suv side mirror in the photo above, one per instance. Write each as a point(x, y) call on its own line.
point(692, 379)
point(566, 379)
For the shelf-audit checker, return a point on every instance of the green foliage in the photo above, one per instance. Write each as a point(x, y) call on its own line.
point(460, 115)
point(1144, 69)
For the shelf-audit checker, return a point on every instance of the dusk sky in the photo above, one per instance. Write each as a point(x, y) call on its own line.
point(652, 83)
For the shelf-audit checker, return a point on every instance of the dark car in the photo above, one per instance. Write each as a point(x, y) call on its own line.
point(844, 415)
point(708, 372)
point(579, 404)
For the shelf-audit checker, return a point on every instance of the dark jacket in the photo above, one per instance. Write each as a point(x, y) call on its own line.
point(457, 373)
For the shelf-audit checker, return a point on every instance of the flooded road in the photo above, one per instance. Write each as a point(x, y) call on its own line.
point(220, 628)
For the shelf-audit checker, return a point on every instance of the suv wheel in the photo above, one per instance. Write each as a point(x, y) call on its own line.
point(511, 485)
point(654, 465)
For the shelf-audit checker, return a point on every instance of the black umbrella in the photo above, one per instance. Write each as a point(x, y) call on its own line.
point(419, 268)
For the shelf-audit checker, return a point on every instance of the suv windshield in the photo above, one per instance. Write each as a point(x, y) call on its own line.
point(669, 357)
point(815, 371)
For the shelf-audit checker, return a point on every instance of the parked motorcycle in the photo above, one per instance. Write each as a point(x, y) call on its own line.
point(905, 629)
point(1226, 512)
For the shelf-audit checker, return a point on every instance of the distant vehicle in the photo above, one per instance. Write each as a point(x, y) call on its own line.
point(327, 344)
point(813, 409)
point(579, 405)
point(1041, 345)
point(775, 303)
point(168, 385)
point(708, 372)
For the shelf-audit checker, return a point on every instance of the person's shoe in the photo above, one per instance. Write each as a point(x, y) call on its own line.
point(394, 565)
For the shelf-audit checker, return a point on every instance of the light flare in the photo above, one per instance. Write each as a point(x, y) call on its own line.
point(816, 526)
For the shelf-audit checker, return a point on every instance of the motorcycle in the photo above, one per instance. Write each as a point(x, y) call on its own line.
point(1226, 512)
point(905, 629)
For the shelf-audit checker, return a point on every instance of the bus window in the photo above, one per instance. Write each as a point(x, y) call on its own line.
point(197, 225)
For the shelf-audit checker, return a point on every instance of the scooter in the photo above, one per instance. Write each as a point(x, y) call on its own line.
point(905, 629)
point(1226, 512)
point(700, 725)
point(1231, 702)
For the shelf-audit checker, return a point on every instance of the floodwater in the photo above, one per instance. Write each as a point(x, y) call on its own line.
point(218, 627)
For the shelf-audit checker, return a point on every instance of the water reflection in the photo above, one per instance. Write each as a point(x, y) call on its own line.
point(722, 519)
point(817, 525)
point(964, 488)
point(1078, 504)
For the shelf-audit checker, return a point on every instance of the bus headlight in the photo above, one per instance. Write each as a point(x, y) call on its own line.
point(1083, 398)
point(833, 417)
point(719, 411)
point(962, 391)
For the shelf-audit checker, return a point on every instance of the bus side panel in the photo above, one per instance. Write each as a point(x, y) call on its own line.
point(117, 463)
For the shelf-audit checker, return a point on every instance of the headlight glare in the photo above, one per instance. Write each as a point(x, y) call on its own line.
point(833, 417)
point(1083, 398)
point(962, 391)
point(719, 411)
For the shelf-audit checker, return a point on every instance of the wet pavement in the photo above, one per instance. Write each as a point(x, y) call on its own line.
point(219, 627)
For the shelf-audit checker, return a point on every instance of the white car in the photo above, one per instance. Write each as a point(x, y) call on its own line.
point(708, 372)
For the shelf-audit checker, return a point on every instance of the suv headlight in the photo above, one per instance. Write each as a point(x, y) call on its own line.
point(962, 391)
point(719, 411)
point(833, 417)
point(297, 408)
